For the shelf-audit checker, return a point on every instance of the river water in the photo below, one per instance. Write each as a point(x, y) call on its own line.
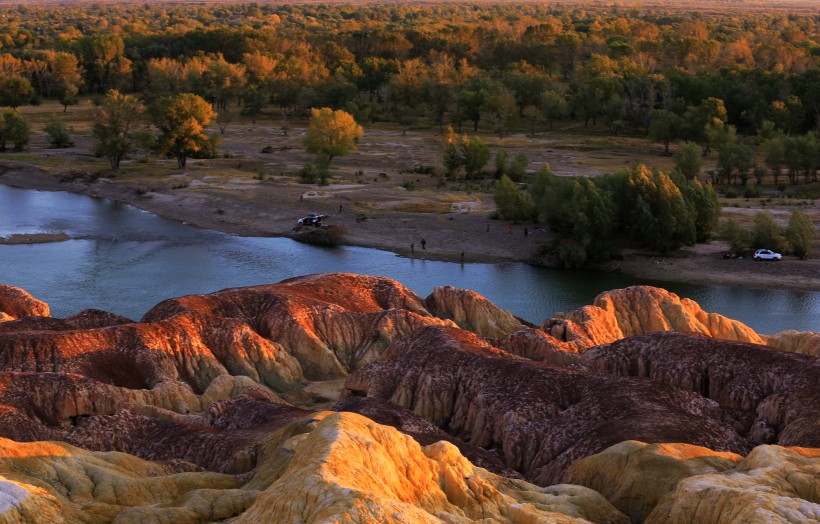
point(125, 260)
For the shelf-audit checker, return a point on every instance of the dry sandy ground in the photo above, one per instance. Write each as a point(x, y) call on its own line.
point(369, 201)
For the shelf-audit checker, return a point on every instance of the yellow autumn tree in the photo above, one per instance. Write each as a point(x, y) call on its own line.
point(182, 119)
point(331, 134)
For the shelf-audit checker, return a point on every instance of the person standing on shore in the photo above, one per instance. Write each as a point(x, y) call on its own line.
point(423, 244)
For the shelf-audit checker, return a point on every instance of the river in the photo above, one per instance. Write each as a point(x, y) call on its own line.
point(125, 260)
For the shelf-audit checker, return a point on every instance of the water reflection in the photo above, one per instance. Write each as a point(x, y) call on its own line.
point(126, 260)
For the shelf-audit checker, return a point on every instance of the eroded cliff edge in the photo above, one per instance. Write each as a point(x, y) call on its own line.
point(220, 406)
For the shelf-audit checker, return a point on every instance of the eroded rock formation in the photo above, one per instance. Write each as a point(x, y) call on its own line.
point(463, 403)
point(541, 418)
point(17, 303)
point(331, 479)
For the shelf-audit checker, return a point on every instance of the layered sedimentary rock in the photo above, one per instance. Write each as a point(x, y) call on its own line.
point(58, 483)
point(806, 343)
point(639, 310)
point(772, 484)
point(350, 469)
point(541, 418)
point(635, 476)
point(472, 312)
point(17, 303)
point(680, 484)
point(463, 400)
point(769, 396)
point(331, 324)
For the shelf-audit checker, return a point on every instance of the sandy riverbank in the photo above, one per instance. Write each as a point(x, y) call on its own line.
point(271, 208)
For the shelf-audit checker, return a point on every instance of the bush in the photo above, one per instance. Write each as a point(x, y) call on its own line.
point(59, 135)
point(752, 191)
point(800, 234)
point(739, 238)
point(15, 129)
point(766, 233)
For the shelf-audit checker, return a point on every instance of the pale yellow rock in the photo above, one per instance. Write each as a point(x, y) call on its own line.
point(634, 476)
point(472, 312)
point(772, 485)
point(56, 482)
point(350, 469)
point(804, 342)
point(227, 386)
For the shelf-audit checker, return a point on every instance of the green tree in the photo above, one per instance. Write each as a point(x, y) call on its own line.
point(775, 151)
point(16, 91)
point(59, 135)
point(511, 202)
point(113, 130)
point(657, 213)
point(476, 154)
point(67, 94)
point(735, 158)
point(688, 160)
point(253, 101)
point(182, 120)
point(501, 163)
point(331, 134)
point(544, 181)
point(766, 233)
point(461, 151)
point(800, 234)
point(518, 167)
point(739, 238)
point(663, 127)
point(16, 129)
point(581, 213)
point(704, 204)
point(553, 106)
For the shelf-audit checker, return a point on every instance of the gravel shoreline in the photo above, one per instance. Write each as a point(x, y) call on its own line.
point(456, 237)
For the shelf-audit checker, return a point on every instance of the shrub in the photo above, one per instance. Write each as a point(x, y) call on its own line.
point(59, 135)
point(800, 234)
point(752, 191)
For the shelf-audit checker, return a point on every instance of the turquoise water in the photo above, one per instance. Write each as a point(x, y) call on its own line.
point(126, 260)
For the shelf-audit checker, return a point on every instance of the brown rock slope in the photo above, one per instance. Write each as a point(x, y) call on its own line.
point(768, 396)
point(541, 418)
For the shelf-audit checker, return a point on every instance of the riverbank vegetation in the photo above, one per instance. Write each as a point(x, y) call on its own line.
point(712, 99)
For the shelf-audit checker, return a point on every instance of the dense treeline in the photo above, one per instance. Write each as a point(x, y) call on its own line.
point(643, 70)
point(590, 216)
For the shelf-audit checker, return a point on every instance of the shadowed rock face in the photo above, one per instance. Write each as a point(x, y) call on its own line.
point(207, 382)
point(769, 396)
point(541, 418)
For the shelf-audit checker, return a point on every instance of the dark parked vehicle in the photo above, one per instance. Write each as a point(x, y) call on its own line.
point(311, 220)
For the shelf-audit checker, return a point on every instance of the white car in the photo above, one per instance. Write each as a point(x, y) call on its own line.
point(767, 254)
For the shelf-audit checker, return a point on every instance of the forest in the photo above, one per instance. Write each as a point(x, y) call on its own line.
point(738, 82)
point(487, 66)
